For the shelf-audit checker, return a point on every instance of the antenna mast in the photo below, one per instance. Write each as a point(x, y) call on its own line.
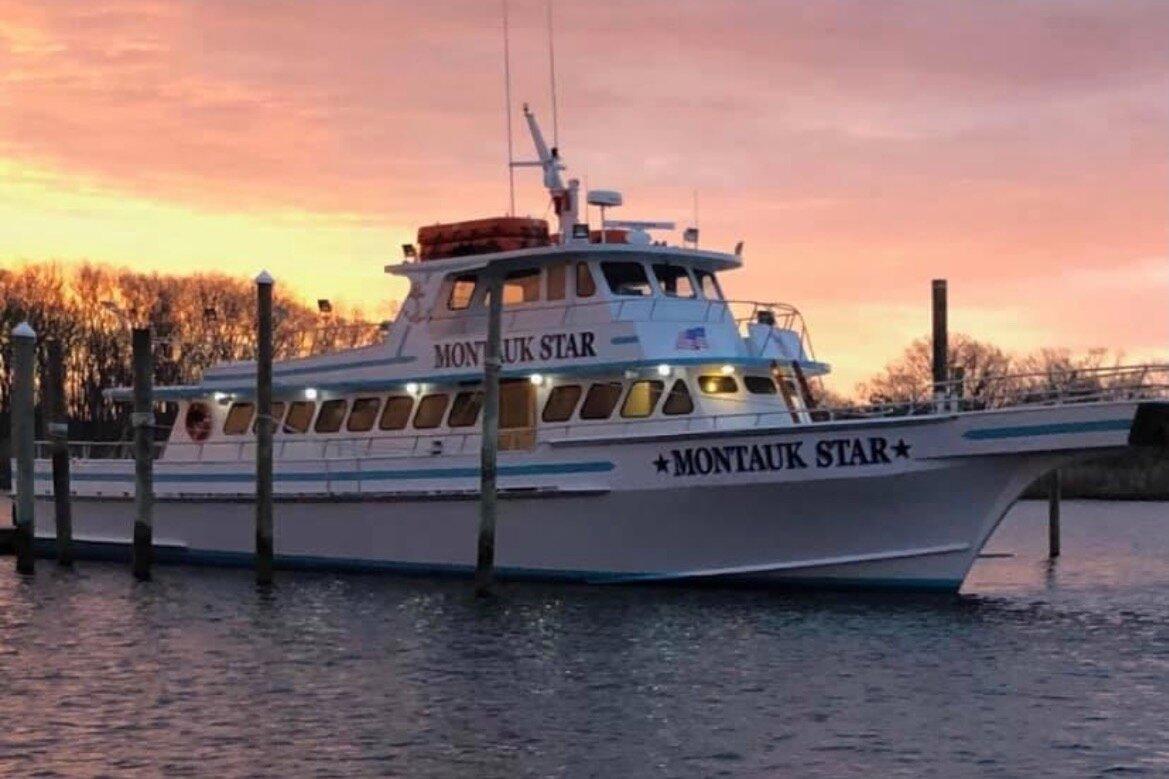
point(507, 114)
point(552, 79)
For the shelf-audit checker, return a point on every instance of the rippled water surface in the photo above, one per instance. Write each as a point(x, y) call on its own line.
point(1034, 670)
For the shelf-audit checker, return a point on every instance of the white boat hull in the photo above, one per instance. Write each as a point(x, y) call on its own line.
point(609, 512)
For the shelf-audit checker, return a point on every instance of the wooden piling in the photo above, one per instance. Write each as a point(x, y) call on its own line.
point(489, 451)
point(265, 547)
point(142, 420)
point(1053, 499)
point(54, 413)
point(24, 344)
point(941, 339)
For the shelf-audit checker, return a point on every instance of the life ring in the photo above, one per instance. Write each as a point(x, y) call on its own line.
point(198, 422)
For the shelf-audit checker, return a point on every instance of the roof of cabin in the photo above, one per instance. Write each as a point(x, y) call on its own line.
point(524, 258)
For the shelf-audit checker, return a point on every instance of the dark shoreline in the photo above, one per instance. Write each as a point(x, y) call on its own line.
point(1136, 475)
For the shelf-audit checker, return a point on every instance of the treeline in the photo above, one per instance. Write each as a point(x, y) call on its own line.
point(198, 319)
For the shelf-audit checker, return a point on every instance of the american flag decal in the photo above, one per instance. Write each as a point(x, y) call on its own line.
point(692, 338)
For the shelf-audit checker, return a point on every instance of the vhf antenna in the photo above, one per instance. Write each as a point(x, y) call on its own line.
point(552, 79)
point(507, 114)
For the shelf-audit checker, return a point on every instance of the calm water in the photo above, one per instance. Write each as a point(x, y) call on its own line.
point(1034, 670)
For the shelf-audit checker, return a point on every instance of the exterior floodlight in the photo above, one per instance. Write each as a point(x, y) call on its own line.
point(727, 369)
point(412, 388)
point(310, 393)
point(536, 379)
point(663, 370)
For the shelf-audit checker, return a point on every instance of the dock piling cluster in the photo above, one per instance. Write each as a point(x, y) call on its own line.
point(24, 346)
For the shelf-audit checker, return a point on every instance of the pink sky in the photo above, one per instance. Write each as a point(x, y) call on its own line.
point(1020, 149)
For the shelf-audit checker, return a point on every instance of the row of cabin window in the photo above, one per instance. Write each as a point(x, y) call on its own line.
point(624, 279)
point(599, 403)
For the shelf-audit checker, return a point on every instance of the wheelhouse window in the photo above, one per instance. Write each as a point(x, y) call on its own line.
point(678, 400)
point(521, 286)
point(363, 415)
point(627, 279)
point(462, 291)
point(557, 280)
point(331, 416)
point(759, 385)
point(600, 400)
point(642, 398)
point(674, 280)
point(238, 418)
point(396, 413)
point(718, 384)
point(300, 415)
point(709, 285)
point(278, 407)
point(465, 409)
point(561, 403)
point(585, 286)
point(430, 411)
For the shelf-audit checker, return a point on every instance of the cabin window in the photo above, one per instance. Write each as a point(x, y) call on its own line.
point(396, 413)
point(198, 421)
point(678, 400)
point(521, 286)
point(517, 404)
point(277, 416)
point(331, 416)
point(561, 403)
point(300, 415)
point(718, 385)
point(238, 418)
point(363, 415)
point(642, 398)
point(585, 286)
point(709, 285)
point(601, 400)
point(462, 291)
point(627, 278)
point(674, 280)
point(430, 411)
point(759, 385)
point(465, 409)
point(557, 280)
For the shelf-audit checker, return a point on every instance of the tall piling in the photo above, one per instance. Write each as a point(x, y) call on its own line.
point(941, 339)
point(1053, 499)
point(265, 546)
point(489, 450)
point(142, 420)
point(54, 413)
point(24, 345)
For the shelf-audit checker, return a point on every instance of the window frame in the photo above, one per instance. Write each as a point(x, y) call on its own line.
point(554, 392)
point(669, 395)
point(441, 415)
point(279, 407)
point(455, 279)
point(476, 403)
point(748, 379)
point(311, 405)
point(521, 273)
point(699, 275)
point(649, 284)
point(654, 399)
point(391, 400)
point(618, 386)
point(583, 269)
point(377, 411)
point(231, 415)
point(686, 272)
point(329, 405)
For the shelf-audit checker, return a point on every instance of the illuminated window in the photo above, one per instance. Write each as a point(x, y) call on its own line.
point(718, 385)
point(674, 281)
point(585, 286)
point(396, 413)
point(462, 291)
point(759, 385)
point(678, 400)
point(363, 415)
point(521, 286)
point(465, 409)
point(238, 418)
point(430, 411)
point(331, 416)
point(517, 404)
point(277, 415)
point(709, 285)
point(601, 400)
point(626, 278)
point(561, 403)
point(300, 415)
point(642, 398)
point(557, 280)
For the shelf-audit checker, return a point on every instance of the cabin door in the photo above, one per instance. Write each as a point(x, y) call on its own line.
point(517, 414)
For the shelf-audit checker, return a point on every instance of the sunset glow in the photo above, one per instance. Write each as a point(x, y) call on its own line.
point(1020, 150)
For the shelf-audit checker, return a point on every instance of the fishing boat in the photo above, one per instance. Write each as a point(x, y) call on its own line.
point(650, 430)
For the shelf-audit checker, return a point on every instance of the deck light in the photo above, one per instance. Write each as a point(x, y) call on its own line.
point(219, 397)
point(727, 369)
point(310, 393)
point(536, 379)
point(412, 387)
point(663, 370)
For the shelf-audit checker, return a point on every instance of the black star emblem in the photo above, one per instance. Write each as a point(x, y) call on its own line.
point(901, 449)
point(661, 463)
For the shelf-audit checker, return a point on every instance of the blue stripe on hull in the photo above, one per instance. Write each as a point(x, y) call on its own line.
point(1052, 428)
point(171, 555)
